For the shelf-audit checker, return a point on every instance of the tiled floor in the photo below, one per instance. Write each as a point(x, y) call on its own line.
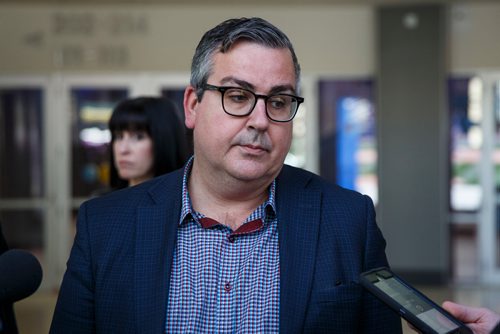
point(34, 313)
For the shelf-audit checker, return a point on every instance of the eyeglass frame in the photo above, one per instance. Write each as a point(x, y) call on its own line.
point(222, 90)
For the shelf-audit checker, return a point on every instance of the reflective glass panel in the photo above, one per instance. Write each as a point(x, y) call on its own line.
point(465, 139)
point(348, 143)
point(91, 109)
point(23, 228)
point(21, 143)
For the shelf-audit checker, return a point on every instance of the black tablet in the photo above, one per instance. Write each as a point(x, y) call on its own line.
point(411, 304)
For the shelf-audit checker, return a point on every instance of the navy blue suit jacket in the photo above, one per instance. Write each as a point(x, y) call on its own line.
point(118, 273)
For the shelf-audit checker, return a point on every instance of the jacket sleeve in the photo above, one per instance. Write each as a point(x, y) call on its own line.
point(74, 312)
point(376, 316)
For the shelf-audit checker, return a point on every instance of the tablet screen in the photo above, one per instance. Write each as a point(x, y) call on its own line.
point(413, 303)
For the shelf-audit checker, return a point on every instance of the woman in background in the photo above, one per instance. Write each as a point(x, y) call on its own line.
point(148, 139)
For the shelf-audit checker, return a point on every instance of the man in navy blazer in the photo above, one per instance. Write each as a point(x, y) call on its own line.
point(235, 242)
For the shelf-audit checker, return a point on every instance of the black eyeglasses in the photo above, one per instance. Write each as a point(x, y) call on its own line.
point(240, 102)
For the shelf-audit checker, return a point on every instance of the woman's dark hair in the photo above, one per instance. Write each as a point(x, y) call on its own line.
point(161, 120)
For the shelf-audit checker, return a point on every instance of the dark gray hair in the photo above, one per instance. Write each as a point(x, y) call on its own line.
point(222, 37)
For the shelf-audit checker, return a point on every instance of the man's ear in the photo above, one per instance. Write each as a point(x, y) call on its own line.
point(190, 104)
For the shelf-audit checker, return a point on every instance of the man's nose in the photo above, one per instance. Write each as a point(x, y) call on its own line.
point(258, 118)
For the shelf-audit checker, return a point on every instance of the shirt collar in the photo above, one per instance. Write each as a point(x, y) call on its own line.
point(187, 209)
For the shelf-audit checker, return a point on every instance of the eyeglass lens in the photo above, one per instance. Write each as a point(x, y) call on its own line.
point(241, 102)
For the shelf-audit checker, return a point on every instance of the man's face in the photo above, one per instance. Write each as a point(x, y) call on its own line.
point(251, 147)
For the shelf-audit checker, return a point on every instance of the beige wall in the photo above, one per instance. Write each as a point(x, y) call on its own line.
point(328, 39)
point(474, 37)
point(336, 40)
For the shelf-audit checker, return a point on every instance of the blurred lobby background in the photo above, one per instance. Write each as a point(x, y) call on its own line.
point(402, 102)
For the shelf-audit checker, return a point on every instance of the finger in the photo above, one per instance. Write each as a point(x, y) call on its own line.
point(464, 313)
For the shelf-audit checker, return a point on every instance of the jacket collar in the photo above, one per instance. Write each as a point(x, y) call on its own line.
point(156, 229)
point(298, 213)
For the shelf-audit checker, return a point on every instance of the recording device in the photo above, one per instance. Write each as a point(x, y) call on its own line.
point(20, 275)
point(425, 315)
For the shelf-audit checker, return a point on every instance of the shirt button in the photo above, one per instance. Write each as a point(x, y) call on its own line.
point(227, 287)
point(231, 238)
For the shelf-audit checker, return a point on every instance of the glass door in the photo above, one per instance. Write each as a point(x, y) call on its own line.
point(24, 196)
point(54, 148)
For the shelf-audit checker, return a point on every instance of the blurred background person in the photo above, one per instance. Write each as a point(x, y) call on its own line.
point(148, 139)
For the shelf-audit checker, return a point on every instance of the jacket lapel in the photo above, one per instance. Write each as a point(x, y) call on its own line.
point(298, 209)
point(155, 241)
point(298, 206)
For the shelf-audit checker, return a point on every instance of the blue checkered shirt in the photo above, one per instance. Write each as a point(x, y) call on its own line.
point(225, 281)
